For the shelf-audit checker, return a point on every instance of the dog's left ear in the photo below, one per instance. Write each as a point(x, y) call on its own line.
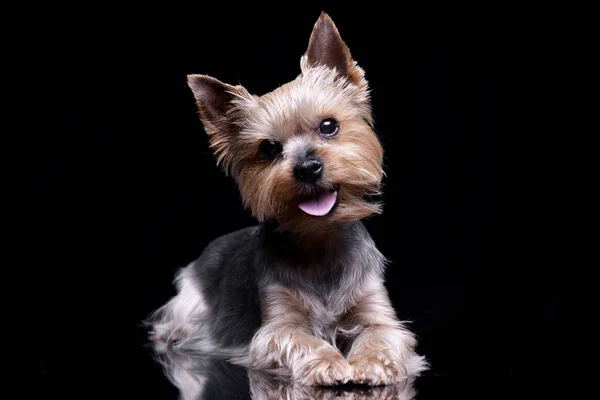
point(326, 47)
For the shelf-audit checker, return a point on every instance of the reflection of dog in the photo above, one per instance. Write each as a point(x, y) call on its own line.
point(303, 292)
point(199, 378)
point(265, 387)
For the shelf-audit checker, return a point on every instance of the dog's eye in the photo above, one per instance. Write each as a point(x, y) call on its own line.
point(328, 127)
point(270, 150)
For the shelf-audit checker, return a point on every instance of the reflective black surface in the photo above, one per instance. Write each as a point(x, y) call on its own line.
point(211, 379)
point(196, 379)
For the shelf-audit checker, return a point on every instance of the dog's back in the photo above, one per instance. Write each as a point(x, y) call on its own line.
point(217, 304)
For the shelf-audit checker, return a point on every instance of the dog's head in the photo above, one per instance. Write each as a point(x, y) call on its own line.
point(304, 154)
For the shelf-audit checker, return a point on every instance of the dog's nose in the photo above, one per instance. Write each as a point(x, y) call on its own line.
point(309, 170)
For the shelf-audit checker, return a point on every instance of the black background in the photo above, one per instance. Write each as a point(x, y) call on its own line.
point(121, 188)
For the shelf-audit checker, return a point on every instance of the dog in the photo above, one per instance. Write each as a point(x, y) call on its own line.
point(302, 293)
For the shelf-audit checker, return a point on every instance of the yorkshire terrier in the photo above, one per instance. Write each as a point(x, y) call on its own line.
point(302, 293)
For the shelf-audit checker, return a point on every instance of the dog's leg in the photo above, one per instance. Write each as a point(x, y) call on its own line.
point(174, 325)
point(283, 343)
point(383, 352)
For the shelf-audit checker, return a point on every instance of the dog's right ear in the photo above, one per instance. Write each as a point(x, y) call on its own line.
point(215, 101)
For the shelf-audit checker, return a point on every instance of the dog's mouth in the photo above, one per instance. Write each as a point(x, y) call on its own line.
point(320, 203)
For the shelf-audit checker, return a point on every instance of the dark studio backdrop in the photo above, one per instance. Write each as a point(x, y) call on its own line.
point(122, 189)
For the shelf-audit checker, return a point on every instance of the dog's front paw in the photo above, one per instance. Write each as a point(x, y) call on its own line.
point(377, 368)
point(323, 369)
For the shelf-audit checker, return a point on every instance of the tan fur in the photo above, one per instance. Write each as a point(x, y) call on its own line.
point(383, 353)
point(352, 159)
point(284, 343)
point(292, 338)
point(291, 114)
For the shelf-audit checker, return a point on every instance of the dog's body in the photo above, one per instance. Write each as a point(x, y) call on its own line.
point(302, 293)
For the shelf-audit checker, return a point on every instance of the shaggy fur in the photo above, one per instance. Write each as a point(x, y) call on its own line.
point(298, 295)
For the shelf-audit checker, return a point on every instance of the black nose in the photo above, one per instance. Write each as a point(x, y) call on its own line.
point(309, 170)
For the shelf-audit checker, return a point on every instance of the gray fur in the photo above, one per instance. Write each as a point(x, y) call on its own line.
point(234, 269)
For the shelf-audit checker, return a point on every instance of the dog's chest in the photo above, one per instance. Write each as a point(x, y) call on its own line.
point(326, 310)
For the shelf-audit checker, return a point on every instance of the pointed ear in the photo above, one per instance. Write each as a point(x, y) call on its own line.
point(326, 47)
point(214, 99)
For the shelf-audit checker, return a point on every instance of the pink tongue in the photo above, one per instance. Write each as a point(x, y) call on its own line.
point(319, 205)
